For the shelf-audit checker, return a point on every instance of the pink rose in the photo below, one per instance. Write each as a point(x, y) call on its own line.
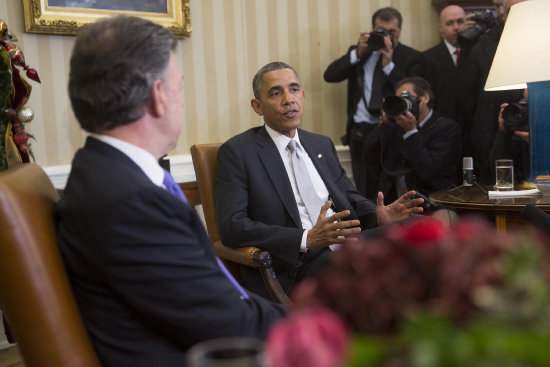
point(313, 337)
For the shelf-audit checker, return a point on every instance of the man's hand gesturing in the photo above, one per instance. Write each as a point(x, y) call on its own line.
point(331, 230)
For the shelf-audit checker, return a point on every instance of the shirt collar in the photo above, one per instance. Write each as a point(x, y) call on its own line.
point(281, 141)
point(450, 47)
point(145, 160)
point(423, 122)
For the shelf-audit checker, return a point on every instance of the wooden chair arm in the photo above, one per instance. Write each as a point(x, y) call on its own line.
point(243, 255)
point(256, 258)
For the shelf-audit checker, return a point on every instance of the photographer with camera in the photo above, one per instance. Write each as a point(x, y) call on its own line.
point(372, 68)
point(512, 138)
point(421, 148)
point(480, 108)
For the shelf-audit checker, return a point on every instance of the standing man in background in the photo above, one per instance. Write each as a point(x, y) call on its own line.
point(481, 108)
point(372, 68)
point(443, 61)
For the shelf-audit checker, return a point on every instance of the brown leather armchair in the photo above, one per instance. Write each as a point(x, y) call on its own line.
point(34, 289)
point(205, 163)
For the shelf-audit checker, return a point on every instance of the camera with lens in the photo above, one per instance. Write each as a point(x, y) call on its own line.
point(397, 105)
point(376, 38)
point(484, 19)
point(515, 116)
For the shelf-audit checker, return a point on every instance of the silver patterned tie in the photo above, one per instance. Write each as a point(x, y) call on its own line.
point(305, 187)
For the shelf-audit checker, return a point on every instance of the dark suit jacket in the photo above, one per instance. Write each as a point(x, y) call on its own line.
point(408, 62)
point(442, 75)
point(142, 268)
point(432, 155)
point(255, 204)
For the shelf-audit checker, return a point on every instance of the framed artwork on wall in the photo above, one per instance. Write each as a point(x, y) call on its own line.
point(68, 16)
point(467, 5)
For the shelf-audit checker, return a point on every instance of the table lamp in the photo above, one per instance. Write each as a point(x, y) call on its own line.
point(522, 60)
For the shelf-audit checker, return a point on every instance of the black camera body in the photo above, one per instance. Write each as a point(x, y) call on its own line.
point(515, 116)
point(376, 38)
point(484, 19)
point(397, 105)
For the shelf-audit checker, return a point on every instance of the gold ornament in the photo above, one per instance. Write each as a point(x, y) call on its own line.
point(24, 115)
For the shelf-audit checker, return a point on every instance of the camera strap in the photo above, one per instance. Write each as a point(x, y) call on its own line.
point(376, 94)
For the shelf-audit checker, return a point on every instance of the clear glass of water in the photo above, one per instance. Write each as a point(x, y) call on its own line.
point(504, 175)
point(227, 352)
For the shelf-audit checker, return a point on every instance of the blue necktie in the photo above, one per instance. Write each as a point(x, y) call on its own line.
point(172, 186)
point(175, 189)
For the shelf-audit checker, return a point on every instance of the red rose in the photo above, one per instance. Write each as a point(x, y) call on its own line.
point(421, 232)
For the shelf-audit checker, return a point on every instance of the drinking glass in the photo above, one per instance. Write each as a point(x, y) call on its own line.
point(227, 352)
point(504, 169)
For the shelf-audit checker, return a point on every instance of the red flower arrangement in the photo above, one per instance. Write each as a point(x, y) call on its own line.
point(416, 283)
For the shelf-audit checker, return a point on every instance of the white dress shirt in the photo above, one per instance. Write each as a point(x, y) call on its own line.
point(281, 141)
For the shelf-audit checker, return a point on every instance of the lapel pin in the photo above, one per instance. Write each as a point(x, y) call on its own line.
point(320, 156)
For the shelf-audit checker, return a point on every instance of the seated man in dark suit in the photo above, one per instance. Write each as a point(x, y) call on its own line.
point(283, 189)
point(372, 67)
point(140, 263)
point(420, 152)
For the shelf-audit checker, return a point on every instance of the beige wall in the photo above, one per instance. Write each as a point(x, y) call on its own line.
point(231, 39)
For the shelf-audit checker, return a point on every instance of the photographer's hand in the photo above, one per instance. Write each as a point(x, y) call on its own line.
point(523, 135)
point(362, 44)
point(406, 121)
point(500, 119)
point(387, 51)
point(384, 118)
point(469, 23)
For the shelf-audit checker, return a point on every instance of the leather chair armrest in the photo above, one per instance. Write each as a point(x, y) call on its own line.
point(243, 255)
point(256, 258)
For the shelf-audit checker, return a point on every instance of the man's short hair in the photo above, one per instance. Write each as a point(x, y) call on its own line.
point(387, 15)
point(420, 86)
point(258, 78)
point(114, 64)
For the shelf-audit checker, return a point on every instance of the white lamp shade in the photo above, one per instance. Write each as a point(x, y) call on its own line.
point(523, 53)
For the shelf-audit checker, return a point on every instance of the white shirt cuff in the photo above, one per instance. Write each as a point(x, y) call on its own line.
point(353, 57)
point(388, 68)
point(409, 133)
point(303, 244)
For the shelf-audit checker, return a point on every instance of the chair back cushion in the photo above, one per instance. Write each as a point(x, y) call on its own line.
point(205, 162)
point(34, 288)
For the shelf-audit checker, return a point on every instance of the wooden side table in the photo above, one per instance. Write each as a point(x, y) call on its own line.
point(504, 212)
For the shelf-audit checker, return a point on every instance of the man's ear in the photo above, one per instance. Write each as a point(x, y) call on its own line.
point(256, 106)
point(158, 99)
point(425, 98)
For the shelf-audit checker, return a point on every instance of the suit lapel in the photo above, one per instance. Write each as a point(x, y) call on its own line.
point(275, 169)
point(445, 57)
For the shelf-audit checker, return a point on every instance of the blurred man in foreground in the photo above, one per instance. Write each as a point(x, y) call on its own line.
point(140, 263)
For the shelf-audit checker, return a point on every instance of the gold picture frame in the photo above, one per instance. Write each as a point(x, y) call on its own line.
point(40, 17)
